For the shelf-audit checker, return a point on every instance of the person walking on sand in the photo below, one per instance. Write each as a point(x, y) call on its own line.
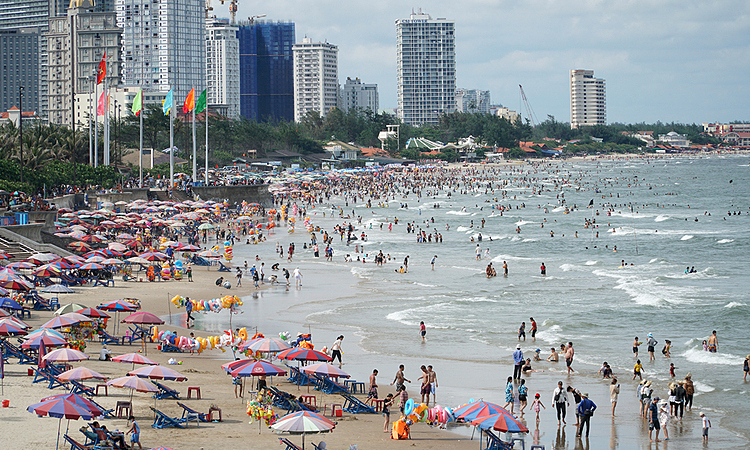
point(433, 383)
point(422, 331)
point(614, 392)
point(561, 402)
point(518, 360)
point(585, 411)
point(239, 277)
point(372, 394)
point(509, 399)
point(653, 419)
point(664, 418)
point(424, 387)
point(569, 353)
point(399, 379)
point(387, 412)
point(523, 393)
point(651, 343)
point(706, 425)
point(537, 406)
point(690, 389)
point(297, 277)
point(135, 433)
point(189, 310)
point(336, 351)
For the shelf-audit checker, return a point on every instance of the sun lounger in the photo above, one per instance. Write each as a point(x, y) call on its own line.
point(45, 374)
point(80, 388)
point(169, 348)
point(109, 413)
point(11, 351)
point(75, 445)
point(164, 421)
point(165, 392)
point(296, 405)
point(279, 399)
point(289, 444)
point(70, 280)
point(106, 338)
point(299, 378)
point(354, 405)
point(329, 386)
point(223, 268)
point(494, 442)
point(188, 411)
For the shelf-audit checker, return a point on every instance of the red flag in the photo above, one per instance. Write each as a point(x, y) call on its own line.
point(101, 107)
point(102, 72)
point(189, 102)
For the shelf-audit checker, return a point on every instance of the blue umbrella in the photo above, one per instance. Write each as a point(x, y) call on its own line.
point(9, 303)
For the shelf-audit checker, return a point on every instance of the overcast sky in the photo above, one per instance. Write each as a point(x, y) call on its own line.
point(684, 61)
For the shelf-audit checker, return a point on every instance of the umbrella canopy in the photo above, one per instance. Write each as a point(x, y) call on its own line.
point(206, 226)
point(42, 258)
point(303, 422)
point(93, 313)
point(477, 409)
point(91, 266)
point(502, 421)
point(9, 328)
point(142, 317)
point(45, 332)
point(257, 368)
point(47, 270)
point(65, 355)
point(4, 291)
point(325, 369)
point(154, 256)
point(80, 373)
point(78, 400)
point(158, 373)
point(134, 383)
point(267, 345)
point(48, 340)
point(58, 289)
point(134, 358)
point(20, 265)
point(10, 304)
point(69, 308)
point(12, 281)
point(61, 408)
point(14, 320)
point(79, 246)
point(117, 305)
point(66, 320)
point(303, 354)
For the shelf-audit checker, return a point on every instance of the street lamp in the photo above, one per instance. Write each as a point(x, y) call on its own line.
point(20, 125)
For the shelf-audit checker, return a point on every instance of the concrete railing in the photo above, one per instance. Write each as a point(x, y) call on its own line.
point(19, 233)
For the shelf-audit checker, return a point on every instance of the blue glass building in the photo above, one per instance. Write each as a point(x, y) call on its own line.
point(266, 71)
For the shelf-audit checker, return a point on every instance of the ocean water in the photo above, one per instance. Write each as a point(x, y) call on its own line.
point(666, 214)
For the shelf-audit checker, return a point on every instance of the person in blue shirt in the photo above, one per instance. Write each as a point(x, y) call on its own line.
point(585, 410)
point(518, 359)
point(509, 399)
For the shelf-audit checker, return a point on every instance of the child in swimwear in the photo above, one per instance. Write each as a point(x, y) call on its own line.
point(536, 405)
point(705, 346)
point(637, 370)
point(671, 369)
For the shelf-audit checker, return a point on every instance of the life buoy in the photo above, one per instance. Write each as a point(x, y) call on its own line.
point(242, 334)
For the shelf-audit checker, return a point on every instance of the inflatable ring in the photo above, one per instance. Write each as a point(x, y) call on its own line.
point(242, 334)
point(409, 407)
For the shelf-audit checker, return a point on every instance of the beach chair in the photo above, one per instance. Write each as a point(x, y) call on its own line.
point(47, 375)
point(495, 443)
point(106, 338)
point(70, 280)
point(329, 386)
point(80, 388)
point(165, 392)
point(75, 445)
point(166, 347)
point(354, 405)
point(189, 412)
point(296, 405)
point(164, 421)
point(108, 413)
point(289, 444)
point(198, 261)
point(279, 398)
point(42, 281)
point(223, 268)
point(316, 446)
point(11, 351)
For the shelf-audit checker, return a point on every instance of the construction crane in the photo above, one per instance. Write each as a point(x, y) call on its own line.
point(529, 112)
point(232, 9)
point(209, 8)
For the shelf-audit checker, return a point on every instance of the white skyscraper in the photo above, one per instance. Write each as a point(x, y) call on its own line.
point(163, 44)
point(357, 95)
point(316, 84)
point(588, 99)
point(425, 68)
point(472, 101)
point(223, 68)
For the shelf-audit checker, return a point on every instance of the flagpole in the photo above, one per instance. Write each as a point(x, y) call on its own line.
point(106, 121)
point(205, 113)
point(171, 144)
point(140, 147)
point(96, 125)
point(195, 167)
point(91, 141)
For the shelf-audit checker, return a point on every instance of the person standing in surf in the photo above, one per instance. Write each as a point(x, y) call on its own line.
point(543, 269)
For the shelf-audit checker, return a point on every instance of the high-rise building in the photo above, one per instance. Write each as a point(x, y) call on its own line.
point(74, 57)
point(163, 44)
point(472, 101)
point(316, 84)
point(223, 67)
point(266, 71)
point(357, 95)
point(588, 99)
point(425, 68)
point(19, 59)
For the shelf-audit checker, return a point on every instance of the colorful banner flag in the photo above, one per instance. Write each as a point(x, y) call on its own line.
point(138, 103)
point(200, 105)
point(101, 107)
point(189, 102)
point(168, 102)
point(102, 71)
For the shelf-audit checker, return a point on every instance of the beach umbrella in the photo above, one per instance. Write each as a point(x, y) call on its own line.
point(154, 256)
point(4, 313)
point(63, 407)
point(61, 264)
point(503, 421)
point(4, 291)
point(93, 313)
point(189, 248)
point(137, 260)
point(143, 318)
point(8, 328)
point(91, 266)
point(303, 354)
point(20, 265)
point(117, 306)
point(230, 366)
point(48, 340)
point(79, 246)
point(10, 304)
point(134, 384)
point(209, 254)
point(5, 255)
point(475, 410)
point(13, 320)
point(66, 320)
point(58, 289)
point(117, 246)
point(303, 422)
point(13, 282)
point(257, 368)
point(206, 226)
point(326, 370)
point(266, 345)
point(65, 355)
point(69, 308)
point(47, 270)
point(79, 374)
point(42, 258)
point(45, 332)
point(95, 259)
point(158, 372)
point(134, 358)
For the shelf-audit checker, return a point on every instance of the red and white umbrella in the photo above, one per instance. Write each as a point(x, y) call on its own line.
point(134, 358)
point(65, 355)
point(79, 374)
point(158, 373)
point(326, 370)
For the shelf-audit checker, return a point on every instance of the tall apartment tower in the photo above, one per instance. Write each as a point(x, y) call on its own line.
point(588, 99)
point(425, 68)
point(163, 44)
point(357, 95)
point(472, 101)
point(76, 44)
point(19, 58)
point(316, 84)
point(267, 70)
point(223, 67)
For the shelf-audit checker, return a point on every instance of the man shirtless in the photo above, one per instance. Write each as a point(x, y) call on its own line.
point(433, 383)
point(424, 388)
point(713, 343)
point(569, 352)
point(399, 379)
point(373, 392)
point(553, 357)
